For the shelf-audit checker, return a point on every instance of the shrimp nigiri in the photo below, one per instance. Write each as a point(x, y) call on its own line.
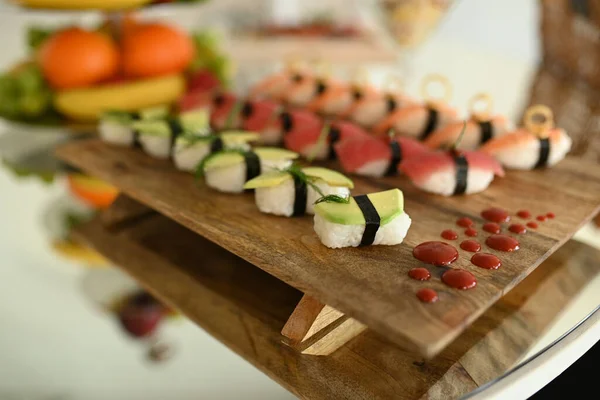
point(477, 133)
point(335, 98)
point(537, 146)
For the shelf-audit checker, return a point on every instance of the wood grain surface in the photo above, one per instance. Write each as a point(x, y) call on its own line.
point(369, 284)
point(245, 308)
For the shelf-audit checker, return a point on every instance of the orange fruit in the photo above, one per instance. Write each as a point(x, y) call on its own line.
point(153, 49)
point(92, 191)
point(75, 58)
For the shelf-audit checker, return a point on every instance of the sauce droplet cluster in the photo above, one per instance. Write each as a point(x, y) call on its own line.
point(436, 253)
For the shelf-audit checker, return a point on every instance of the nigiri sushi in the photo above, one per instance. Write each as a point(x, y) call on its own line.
point(224, 111)
point(261, 116)
point(522, 149)
point(318, 144)
point(294, 122)
point(302, 92)
point(190, 150)
point(376, 157)
point(452, 172)
point(371, 106)
point(477, 133)
point(417, 121)
point(538, 145)
point(293, 191)
point(335, 98)
point(371, 219)
point(116, 126)
point(228, 170)
point(157, 137)
point(275, 85)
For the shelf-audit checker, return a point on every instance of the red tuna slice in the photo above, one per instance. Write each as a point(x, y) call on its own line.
point(222, 105)
point(345, 130)
point(420, 168)
point(194, 99)
point(258, 114)
point(355, 153)
point(301, 129)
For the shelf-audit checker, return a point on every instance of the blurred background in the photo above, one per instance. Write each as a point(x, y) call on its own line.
point(70, 322)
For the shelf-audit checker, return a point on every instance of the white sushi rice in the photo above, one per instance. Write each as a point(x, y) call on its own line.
point(116, 133)
point(526, 155)
point(279, 199)
point(375, 169)
point(335, 235)
point(231, 179)
point(270, 136)
point(187, 156)
point(444, 182)
point(156, 146)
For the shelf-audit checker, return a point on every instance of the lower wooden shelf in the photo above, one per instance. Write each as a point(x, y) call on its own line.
point(246, 309)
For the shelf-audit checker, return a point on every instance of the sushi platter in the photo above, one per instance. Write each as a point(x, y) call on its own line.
point(246, 308)
point(369, 284)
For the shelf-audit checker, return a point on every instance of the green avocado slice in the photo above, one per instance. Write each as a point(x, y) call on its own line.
point(274, 178)
point(331, 177)
point(268, 179)
point(389, 205)
point(228, 158)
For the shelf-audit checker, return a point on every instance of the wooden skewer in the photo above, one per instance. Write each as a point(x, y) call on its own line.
point(536, 125)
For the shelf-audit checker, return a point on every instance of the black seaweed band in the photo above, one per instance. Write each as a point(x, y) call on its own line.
point(372, 219)
point(487, 131)
point(252, 165)
point(462, 170)
point(333, 136)
point(175, 128)
point(430, 125)
point(216, 145)
point(395, 160)
point(300, 196)
point(391, 104)
point(544, 153)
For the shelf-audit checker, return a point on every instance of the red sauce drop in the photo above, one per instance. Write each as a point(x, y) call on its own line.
point(420, 274)
point(517, 228)
point(436, 253)
point(470, 245)
point(532, 225)
point(541, 218)
point(464, 222)
point(502, 243)
point(524, 214)
point(491, 227)
point(494, 214)
point(449, 234)
point(550, 215)
point(470, 232)
point(459, 279)
point(485, 260)
point(427, 295)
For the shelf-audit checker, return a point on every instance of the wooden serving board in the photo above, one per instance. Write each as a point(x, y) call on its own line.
point(245, 308)
point(369, 284)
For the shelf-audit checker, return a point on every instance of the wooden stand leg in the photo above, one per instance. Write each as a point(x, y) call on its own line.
point(317, 329)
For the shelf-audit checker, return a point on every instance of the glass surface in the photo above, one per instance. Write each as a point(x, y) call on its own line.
point(56, 310)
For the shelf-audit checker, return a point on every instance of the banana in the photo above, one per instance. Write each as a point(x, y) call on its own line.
point(107, 5)
point(87, 104)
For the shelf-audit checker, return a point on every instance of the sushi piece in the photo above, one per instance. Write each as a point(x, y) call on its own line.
point(371, 219)
point(452, 172)
point(293, 191)
point(318, 144)
point(190, 150)
point(333, 100)
point(538, 145)
point(376, 157)
point(293, 122)
point(157, 137)
point(481, 127)
point(372, 106)
point(275, 85)
point(303, 91)
point(116, 126)
point(228, 170)
point(261, 116)
point(224, 111)
point(417, 121)
point(477, 133)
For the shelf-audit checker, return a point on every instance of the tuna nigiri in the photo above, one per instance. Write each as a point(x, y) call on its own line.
point(261, 116)
point(222, 109)
point(537, 146)
point(452, 172)
point(376, 157)
point(318, 144)
point(298, 123)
